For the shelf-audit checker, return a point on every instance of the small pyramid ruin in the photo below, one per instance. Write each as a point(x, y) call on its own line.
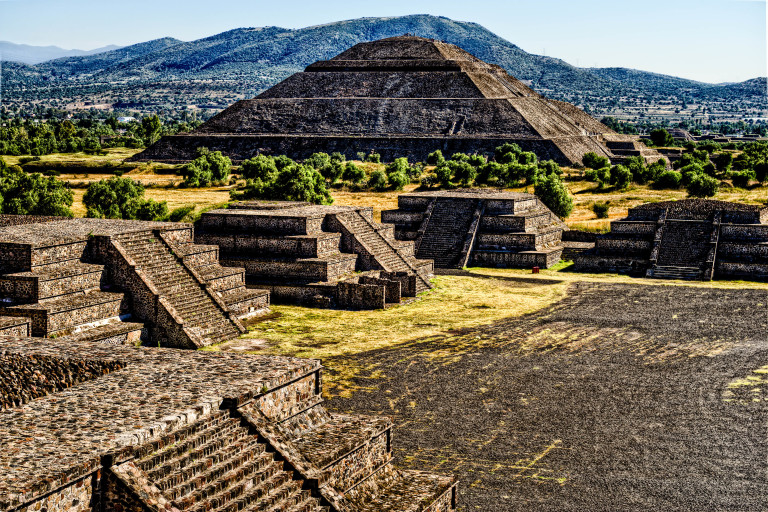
point(119, 282)
point(400, 96)
point(458, 228)
point(90, 427)
point(697, 239)
point(316, 255)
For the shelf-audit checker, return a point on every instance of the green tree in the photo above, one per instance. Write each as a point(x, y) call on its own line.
point(661, 137)
point(353, 174)
point(207, 168)
point(151, 127)
point(436, 158)
point(262, 167)
point(32, 194)
point(551, 190)
point(377, 181)
point(594, 161)
point(621, 177)
point(668, 179)
point(121, 198)
point(702, 185)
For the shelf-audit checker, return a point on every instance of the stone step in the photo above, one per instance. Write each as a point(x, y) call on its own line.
point(222, 278)
point(114, 333)
point(670, 272)
point(60, 315)
point(266, 487)
point(392, 490)
point(51, 282)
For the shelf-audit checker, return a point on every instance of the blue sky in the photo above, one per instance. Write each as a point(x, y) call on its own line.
point(707, 40)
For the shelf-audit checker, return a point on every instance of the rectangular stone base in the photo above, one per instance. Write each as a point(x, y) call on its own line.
point(523, 259)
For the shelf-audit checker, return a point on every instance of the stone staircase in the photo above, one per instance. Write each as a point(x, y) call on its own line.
point(683, 250)
point(204, 318)
point(220, 464)
point(446, 231)
point(350, 457)
point(377, 243)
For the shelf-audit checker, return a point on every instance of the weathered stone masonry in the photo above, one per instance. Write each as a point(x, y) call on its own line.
point(119, 282)
point(478, 228)
point(688, 239)
point(317, 255)
point(402, 96)
point(182, 430)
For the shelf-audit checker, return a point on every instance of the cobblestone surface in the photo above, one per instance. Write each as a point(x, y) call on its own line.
point(57, 438)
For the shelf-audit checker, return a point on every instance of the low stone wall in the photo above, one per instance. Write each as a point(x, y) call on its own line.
point(503, 259)
point(575, 235)
point(633, 227)
point(347, 471)
point(590, 262)
point(736, 232)
point(288, 400)
point(218, 220)
point(360, 296)
point(77, 496)
point(635, 246)
point(741, 269)
point(743, 251)
point(25, 378)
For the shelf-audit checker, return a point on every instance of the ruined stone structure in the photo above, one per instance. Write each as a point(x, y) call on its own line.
point(139, 429)
point(688, 239)
point(120, 282)
point(478, 228)
point(314, 254)
point(401, 96)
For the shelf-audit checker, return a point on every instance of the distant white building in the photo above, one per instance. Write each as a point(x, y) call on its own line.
point(125, 119)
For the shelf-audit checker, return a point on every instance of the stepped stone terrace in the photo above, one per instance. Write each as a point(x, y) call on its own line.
point(137, 429)
point(688, 239)
point(401, 97)
point(483, 228)
point(314, 254)
point(121, 282)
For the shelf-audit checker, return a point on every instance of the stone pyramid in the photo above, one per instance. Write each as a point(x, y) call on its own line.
point(400, 96)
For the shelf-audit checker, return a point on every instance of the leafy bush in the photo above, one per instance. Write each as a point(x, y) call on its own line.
point(601, 209)
point(507, 153)
point(723, 161)
point(121, 198)
point(32, 194)
point(444, 175)
point(398, 180)
point(353, 174)
point(549, 167)
point(373, 158)
point(702, 185)
point(261, 166)
point(600, 176)
point(297, 182)
point(477, 160)
point(463, 172)
point(490, 172)
point(436, 158)
point(377, 181)
point(594, 161)
point(661, 137)
point(621, 177)
point(668, 179)
point(761, 172)
point(207, 168)
point(741, 179)
point(553, 193)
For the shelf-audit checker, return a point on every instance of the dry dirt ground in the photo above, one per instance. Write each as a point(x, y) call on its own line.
point(620, 397)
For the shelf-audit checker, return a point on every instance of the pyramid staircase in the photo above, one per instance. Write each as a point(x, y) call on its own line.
point(282, 451)
point(684, 250)
point(201, 317)
point(483, 228)
point(446, 231)
point(376, 242)
point(316, 255)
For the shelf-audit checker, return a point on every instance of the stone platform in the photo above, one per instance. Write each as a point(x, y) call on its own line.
point(119, 281)
point(316, 255)
point(91, 427)
point(484, 228)
point(697, 239)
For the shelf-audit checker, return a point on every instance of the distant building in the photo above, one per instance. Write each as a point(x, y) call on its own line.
point(126, 119)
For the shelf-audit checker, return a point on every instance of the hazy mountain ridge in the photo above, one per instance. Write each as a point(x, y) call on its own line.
point(30, 54)
point(245, 61)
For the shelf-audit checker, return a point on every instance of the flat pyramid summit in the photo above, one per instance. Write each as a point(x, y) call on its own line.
point(400, 96)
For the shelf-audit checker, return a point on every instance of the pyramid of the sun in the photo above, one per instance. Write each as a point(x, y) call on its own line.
point(401, 96)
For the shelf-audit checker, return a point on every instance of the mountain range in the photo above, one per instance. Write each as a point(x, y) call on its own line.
point(28, 54)
point(168, 73)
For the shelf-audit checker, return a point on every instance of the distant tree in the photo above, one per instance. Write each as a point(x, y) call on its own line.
point(741, 179)
point(209, 167)
point(668, 179)
point(377, 181)
point(444, 175)
point(594, 161)
point(506, 153)
point(297, 182)
point(353, 173)
point(661, 137)
point(373, 158)
point(621, 177)
point(151, 128)
point(702, 185)
point(463, 172)
point(121, 198)
point(22, 193)
point(435, 158)
point(261, 166)
point(397, 173)
point(601, 209)
point(551, 190)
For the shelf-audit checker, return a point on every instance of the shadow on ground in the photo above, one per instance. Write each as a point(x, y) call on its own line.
point(620, 397)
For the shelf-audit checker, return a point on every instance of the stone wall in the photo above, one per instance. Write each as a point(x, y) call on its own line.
point(78, 496)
